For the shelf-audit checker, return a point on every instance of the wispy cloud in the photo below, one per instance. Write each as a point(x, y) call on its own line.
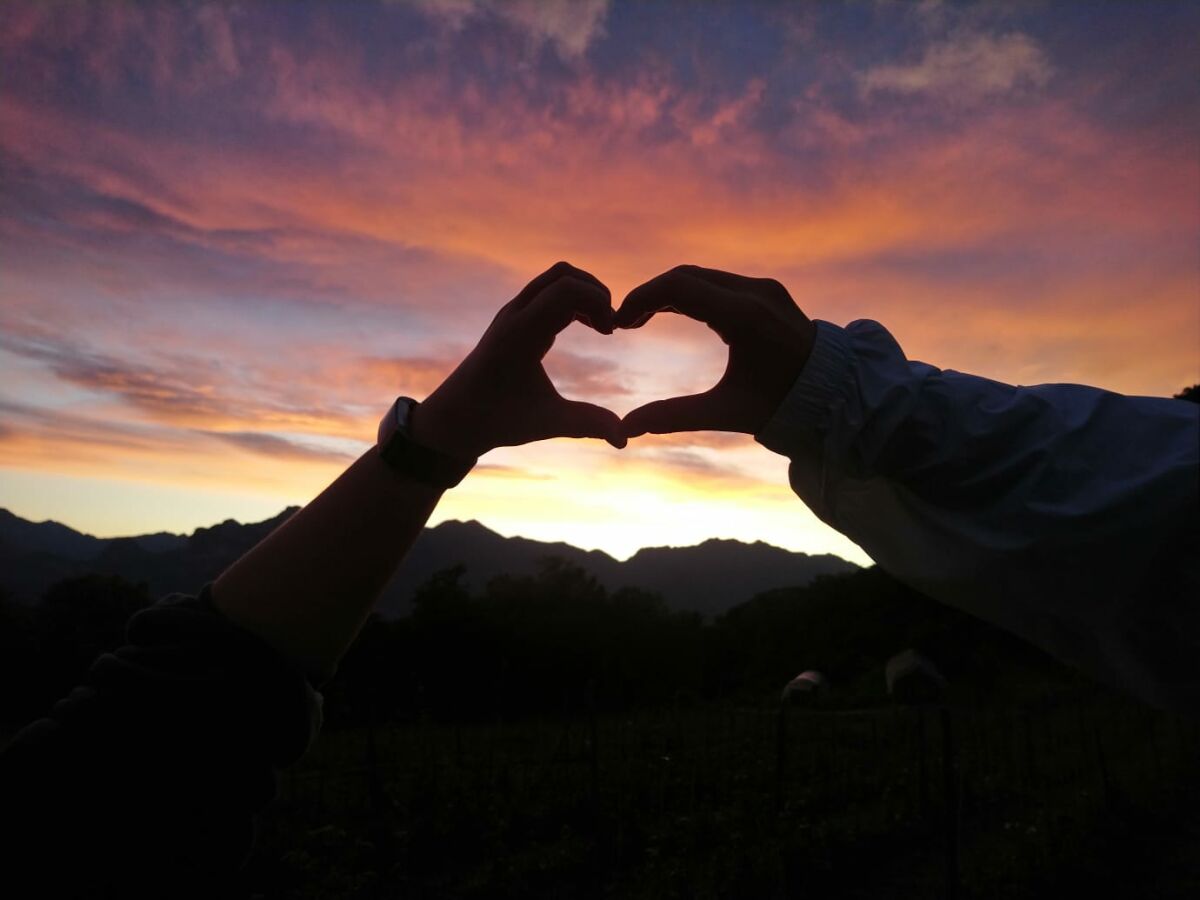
point(275, 446)
point(593, 378)
point(496, 470)
point(967, 66)
point(186, 392)
point(70, 428)
point(412, 375)
point(91, 443)
point(715, 440)
point(694, 468)
point(569, 25)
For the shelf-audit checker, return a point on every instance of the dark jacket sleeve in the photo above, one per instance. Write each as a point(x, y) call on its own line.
point(146, 778)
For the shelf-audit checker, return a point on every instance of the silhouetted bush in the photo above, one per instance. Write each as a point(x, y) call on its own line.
point(76, 621)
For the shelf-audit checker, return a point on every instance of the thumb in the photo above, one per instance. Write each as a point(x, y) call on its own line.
point(577, 419)
point(698, 412)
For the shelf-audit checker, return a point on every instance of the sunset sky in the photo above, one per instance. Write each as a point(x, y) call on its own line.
point(231, 234)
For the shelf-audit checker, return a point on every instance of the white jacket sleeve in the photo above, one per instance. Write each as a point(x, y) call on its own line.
point(1063, 513)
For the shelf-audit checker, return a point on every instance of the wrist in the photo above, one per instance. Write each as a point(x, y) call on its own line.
point(780, 367)
point(446, 427)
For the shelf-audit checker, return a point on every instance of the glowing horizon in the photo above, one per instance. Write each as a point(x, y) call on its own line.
point(230, 235)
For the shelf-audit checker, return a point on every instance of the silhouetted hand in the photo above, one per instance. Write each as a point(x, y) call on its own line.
point(500, 394)
point(769, 342)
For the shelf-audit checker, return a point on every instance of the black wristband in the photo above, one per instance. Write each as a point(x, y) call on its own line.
point(402, 453)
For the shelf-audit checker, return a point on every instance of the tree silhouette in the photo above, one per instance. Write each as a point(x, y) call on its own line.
point(18, 660)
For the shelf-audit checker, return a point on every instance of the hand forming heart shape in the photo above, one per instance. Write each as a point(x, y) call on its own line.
point(501, 395)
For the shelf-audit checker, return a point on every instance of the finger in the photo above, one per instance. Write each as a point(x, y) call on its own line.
point(698, 412)
point(552, 274)
point(579, 420)
point(730, 281)
point(679, 290)
point(565, 300)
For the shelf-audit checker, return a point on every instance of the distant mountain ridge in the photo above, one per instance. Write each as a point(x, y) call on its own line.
point(708, 578)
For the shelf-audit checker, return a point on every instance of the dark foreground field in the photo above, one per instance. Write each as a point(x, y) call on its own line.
point(1084, 794)
point(547, 738)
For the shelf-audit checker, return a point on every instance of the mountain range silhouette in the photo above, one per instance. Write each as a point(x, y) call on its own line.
point(708, 578)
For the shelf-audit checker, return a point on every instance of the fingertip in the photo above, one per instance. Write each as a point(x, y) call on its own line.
point(605, 325)
point(586, 420)
point(632, 429)
point(621, 315)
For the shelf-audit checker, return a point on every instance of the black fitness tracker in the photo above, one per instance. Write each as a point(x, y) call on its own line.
point(402, 453)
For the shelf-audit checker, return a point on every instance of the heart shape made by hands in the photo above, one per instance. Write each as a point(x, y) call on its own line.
point(668, 356)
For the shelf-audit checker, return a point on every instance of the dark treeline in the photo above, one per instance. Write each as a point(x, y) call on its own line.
point(558, 643)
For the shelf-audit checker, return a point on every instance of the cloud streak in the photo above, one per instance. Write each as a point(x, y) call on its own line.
point(274, 446)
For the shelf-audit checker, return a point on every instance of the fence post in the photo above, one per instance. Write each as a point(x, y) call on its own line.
point(780, 754)
point(321, 790)
point(922, 774)
point(1031, 769)
point(593, 750)
point(1102, 764)
point(374, 785)
point(950, 798)
point(1155, 758)
point(593, 740)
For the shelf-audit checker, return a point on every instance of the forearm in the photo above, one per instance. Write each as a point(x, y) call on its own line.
point(307, 588)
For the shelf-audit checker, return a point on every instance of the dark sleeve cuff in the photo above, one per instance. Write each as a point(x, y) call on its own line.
point(185, 640)
point(155, 765)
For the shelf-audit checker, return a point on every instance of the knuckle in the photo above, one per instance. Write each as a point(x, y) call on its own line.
point(553, 294)
point(774, 289)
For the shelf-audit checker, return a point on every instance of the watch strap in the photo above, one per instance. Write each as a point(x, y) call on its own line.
point(402, 453)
